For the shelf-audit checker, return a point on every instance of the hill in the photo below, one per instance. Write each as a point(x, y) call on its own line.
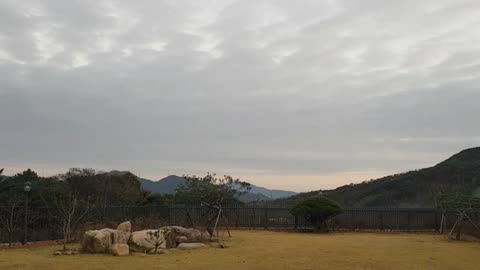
point(458, 174)
point(169, 184)
point(271, 193)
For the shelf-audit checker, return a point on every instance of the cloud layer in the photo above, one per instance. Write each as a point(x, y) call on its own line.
point(283, 93)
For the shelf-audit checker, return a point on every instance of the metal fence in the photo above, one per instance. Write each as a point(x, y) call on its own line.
point(42, 226)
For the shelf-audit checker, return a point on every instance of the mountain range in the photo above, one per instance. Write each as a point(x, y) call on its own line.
point(169, 184)
point(420, 188)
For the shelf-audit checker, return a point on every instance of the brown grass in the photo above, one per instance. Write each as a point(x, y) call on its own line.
point(275, 250)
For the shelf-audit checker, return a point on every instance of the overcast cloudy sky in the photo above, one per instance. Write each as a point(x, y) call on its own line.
point(286, 94)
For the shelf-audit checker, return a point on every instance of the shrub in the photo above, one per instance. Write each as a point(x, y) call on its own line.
point(316, 210)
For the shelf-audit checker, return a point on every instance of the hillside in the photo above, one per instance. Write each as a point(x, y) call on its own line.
point(460, 173)
point(169, 184)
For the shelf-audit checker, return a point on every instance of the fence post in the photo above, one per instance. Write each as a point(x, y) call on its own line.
point(265, 216)
point(175, 215)
point(408, 220)
point(381, 220)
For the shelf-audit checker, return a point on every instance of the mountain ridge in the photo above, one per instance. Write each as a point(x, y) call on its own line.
point(169, 184)
point(460, 173)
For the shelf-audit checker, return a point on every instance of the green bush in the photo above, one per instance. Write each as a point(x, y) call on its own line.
point(316, 210)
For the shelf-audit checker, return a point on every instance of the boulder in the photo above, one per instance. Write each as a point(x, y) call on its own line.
point(101, 241)
point(125, 226)
point(171, 236)
point(185, 235)
point(185, 246)
point(141, 241)
point(120, 250)
point(181, 239)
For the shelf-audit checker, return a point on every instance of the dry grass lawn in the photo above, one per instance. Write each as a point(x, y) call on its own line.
point(275, 250)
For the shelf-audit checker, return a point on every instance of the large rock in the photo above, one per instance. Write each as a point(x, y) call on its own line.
point(120, 250)
point(142, 241)
point(181, 239)
point(125, 226)
point(171, 237)
point(190, 245)
point(184, 235)
point(101, 241)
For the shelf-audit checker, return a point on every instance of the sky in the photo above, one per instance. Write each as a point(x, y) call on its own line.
point(298, 95)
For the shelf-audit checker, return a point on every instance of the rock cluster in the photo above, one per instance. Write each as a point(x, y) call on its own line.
point(122, 241)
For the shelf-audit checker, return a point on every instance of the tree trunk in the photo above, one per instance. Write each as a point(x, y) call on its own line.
point(65, 237)
point(459, 229)
point(10, 238)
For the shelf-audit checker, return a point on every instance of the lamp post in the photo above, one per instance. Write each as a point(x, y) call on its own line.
point(27, 187)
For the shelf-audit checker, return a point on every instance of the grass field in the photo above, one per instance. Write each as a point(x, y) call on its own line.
point(275, 250)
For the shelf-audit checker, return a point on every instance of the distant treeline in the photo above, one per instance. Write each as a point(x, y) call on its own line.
point(101, 189)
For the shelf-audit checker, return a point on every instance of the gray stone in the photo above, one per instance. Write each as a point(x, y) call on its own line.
point(141, 241)
point(125, 226)
point(182, 239)
point(177, 234)
point(185, 246)
point(101, 241)
point(120, 250)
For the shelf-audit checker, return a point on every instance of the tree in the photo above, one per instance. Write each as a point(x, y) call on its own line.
point(209, 191)
point(106, 189)
point(12, 198)
point(156, 199)
point(464, 206)
point(68, 208)
point(10, 217)
point(316, 210)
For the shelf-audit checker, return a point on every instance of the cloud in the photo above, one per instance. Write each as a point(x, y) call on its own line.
point(253, 88)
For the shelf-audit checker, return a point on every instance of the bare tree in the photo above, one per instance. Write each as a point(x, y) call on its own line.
point(10, 211)
point(70, 211)
point(156, 238)
point(10, 217)
point(66, 207)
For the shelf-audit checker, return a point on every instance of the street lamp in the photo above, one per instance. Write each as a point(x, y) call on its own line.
point(27, 187)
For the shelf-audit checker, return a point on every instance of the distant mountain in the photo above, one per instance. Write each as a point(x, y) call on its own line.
point(458, 174)
point(253, 197)
point(169, 184)
point(271, 193)
point(115, 173)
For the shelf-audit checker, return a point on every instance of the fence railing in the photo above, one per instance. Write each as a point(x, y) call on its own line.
point(42, 226)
